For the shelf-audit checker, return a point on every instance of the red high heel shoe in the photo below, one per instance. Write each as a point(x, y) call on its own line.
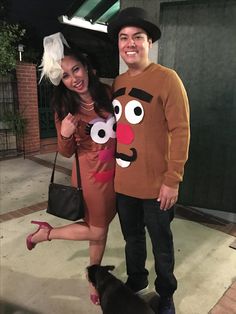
point(95, 299)
point(42, 225)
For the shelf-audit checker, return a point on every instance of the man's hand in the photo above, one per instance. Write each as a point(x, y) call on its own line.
point(168, 197)
point(68, 125)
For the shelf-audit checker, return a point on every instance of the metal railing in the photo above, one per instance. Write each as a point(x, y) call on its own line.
point(8, 106)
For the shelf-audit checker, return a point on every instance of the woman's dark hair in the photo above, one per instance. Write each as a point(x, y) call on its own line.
point(65, 101)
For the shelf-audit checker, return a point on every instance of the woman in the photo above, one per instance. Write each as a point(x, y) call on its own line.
point(84, 121)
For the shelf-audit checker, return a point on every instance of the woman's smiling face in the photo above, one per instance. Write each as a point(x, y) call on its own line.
point(75, 76)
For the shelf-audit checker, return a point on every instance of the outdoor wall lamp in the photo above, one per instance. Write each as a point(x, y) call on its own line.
point(20, 49)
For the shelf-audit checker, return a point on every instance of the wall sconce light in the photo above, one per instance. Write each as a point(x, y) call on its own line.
point(20, 49)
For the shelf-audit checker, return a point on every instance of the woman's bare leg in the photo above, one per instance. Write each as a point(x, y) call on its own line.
point(96, 252)
point(80, 231)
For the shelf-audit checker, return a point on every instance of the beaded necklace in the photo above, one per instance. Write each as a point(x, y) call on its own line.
point(90, 105)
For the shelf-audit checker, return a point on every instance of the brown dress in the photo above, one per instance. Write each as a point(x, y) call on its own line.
point(95, 141)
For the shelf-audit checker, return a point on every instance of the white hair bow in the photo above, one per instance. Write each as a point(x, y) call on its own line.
point(51, 61)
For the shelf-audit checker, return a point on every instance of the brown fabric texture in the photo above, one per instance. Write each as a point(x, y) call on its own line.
point(160, 139)
point(97, 165)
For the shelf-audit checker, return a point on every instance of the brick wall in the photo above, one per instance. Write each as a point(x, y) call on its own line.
point(28, 104)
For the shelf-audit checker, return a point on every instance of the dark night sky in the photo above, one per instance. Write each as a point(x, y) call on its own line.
point(40, 14)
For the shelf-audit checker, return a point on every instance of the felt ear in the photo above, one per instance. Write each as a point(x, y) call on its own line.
point(91, 273)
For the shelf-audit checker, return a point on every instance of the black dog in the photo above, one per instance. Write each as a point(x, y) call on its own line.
point(115, 296)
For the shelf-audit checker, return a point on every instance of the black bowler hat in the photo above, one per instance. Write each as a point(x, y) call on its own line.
point(133, 17)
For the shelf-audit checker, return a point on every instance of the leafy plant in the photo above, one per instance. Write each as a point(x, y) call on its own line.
point(10, 36)
point(15, 121)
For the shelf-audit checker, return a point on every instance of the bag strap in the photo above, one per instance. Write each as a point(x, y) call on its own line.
point(77, 168)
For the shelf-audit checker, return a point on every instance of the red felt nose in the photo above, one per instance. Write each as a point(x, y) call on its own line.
point(124, 134)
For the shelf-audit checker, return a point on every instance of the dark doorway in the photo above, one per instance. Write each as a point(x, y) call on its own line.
point(46, 118)
point(198, 41)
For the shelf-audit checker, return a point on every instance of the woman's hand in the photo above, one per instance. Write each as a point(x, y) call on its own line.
point(68, 125)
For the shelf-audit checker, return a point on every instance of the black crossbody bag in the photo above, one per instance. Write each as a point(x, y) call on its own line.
point(66, 201)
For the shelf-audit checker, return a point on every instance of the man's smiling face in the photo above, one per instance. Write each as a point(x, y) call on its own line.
point(134, 44)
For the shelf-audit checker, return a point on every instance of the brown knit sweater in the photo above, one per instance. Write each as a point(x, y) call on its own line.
point(153, 131)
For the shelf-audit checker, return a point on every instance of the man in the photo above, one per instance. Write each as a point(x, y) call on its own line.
point(152, 113)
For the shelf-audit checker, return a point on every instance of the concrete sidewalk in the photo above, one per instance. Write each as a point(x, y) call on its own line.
point(51, 278)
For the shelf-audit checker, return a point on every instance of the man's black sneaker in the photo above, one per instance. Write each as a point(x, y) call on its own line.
point(166, 306)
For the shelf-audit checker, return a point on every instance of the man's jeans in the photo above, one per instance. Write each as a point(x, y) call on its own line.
point(134, 215)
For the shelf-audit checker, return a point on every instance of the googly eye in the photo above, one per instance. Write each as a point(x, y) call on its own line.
point(99, 133)
point(134, 112)
point(117, 109)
